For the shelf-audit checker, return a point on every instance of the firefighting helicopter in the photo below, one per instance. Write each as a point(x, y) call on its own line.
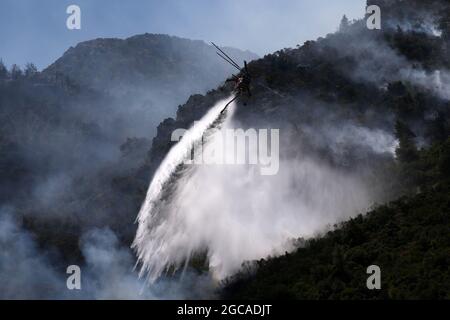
point(241, 81)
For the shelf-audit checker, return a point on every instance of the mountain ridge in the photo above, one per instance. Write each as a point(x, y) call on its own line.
point(142, 54)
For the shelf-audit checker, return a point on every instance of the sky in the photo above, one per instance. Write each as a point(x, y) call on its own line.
point(35, 30)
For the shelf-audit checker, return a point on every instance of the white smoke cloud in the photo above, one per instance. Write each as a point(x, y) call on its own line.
point(437, 81)
point(378, 63)
point(29, 272)
point(25, 271)
point(350, 135)
point(109, 273)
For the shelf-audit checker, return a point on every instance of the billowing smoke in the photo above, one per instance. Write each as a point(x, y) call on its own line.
point(110, 273)
point(349, 135)
point(30, 272)
point(70, 150)
point(377, 62)
point(25, 271)
point(437, 81)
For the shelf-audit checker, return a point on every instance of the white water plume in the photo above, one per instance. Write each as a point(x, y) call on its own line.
point(148, 250)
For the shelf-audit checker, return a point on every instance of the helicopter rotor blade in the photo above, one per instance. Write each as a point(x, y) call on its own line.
point(225, 54)
point(228, 61)
point(229, 58)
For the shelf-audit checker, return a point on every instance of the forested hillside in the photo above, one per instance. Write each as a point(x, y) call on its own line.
point(407, 238)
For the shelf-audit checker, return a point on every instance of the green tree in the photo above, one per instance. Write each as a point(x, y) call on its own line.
point(444, 160)
point(16, 72)
point(3, 70)
point(345, 23)
point(407, 150)
point(444, 22)
point(30, 70)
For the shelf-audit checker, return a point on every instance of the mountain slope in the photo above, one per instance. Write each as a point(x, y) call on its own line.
point(162, 60)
